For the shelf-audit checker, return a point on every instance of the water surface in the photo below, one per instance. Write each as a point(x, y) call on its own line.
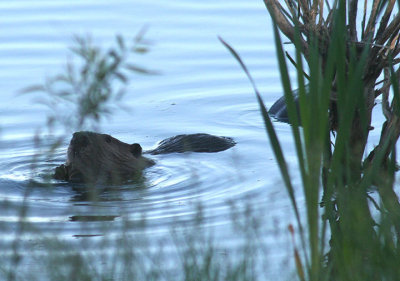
point(200, 88)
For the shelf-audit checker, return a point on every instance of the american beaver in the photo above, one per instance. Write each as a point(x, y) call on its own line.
point(94, 157)
point(279, 110)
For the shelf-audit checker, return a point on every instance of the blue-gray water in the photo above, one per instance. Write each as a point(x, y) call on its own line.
point(200, 88)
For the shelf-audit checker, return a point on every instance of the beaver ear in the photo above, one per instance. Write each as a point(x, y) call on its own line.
point(136, 150)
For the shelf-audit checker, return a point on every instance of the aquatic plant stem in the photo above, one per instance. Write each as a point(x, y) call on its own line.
point(274, 144)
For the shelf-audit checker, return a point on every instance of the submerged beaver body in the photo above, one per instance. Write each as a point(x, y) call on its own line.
point(94, 157)
point(193, 143)
point(279, 109)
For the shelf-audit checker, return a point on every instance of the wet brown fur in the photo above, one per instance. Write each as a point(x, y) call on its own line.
point(101, 158)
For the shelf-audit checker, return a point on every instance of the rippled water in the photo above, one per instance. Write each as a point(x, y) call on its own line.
point(200, 89)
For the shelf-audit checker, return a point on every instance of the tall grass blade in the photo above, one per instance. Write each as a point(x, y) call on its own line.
point(273, 139)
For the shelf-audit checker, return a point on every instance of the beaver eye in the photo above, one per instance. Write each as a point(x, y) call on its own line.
point(108, 139)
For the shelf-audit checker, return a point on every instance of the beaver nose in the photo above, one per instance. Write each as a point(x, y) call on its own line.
point(79, 140)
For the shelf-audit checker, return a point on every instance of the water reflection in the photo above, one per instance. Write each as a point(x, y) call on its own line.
point(92, 218)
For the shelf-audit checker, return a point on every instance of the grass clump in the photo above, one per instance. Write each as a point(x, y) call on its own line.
point(346, 235)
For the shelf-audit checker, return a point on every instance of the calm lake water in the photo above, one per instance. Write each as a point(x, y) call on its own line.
point(200, 88)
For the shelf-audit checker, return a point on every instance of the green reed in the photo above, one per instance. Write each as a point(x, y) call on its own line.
point(346, 235)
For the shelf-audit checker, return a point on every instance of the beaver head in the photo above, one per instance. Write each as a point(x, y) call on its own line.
point(94, 157)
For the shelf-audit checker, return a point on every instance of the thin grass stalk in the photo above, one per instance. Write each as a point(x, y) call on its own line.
point(310, 176)
point(344, 179)
point(275, 146)
point(311, 165)
point(364, 20)
point(353, 4)
point(372, 19)
point(314, 151)
point(321, 12)
point(386, 192)
point(291, 106)
point(294, 119)
point(274, 9)
point(290, 5)
point(384, 21)
point(314, 10)
point(310, 172)
point(328, 190)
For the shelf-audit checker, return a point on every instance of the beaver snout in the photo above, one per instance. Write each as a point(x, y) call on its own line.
point(79, 141)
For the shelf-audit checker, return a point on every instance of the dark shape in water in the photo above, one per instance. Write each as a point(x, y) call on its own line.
point(100, 158)
point(92, 218)
point(193, 143)
point(279, 109)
